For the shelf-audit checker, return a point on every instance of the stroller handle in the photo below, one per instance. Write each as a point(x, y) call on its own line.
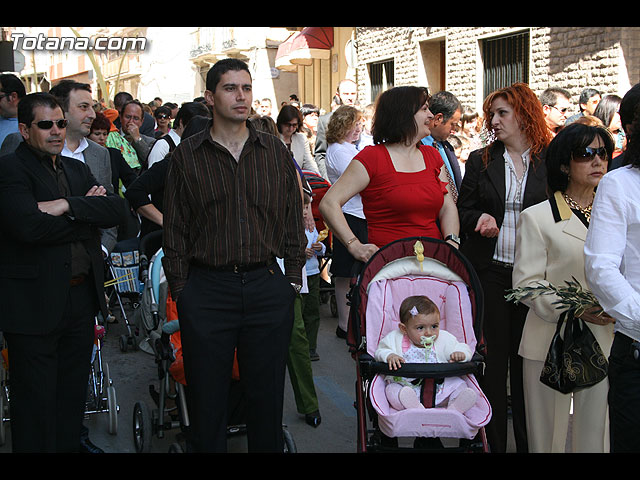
point(426, 370)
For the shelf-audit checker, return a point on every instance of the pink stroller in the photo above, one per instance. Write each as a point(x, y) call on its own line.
point(417, 266)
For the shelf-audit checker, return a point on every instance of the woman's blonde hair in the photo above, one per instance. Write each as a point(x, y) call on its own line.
point(342, 122)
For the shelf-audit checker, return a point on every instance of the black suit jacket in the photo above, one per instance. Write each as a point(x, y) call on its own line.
point(35, 248)
point(483, 191)
point(453, 161)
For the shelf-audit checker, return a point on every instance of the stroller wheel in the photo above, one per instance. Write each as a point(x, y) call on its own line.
point(126, 341)
point(289, 444)
point(113, 410)
point(3, 408)
point(142, 428)
point(176, 448)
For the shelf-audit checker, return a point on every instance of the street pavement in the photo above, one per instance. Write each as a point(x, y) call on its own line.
point(132, 373)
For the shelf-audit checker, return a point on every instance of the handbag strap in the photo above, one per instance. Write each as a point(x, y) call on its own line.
point(562, 319)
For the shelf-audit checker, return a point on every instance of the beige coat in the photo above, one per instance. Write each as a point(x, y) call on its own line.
point(550, 249)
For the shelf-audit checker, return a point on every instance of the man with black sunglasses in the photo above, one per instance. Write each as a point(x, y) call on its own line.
point(51, 273)
point(556, 105)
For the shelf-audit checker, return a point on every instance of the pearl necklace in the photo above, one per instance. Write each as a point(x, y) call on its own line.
point(586, 211)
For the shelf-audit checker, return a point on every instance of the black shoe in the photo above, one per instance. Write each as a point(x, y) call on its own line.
point(340, 333)
point(87, 447)
point(313, 418)
point(313, 355)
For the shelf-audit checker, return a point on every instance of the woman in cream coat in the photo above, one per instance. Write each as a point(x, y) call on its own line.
point(549, 249)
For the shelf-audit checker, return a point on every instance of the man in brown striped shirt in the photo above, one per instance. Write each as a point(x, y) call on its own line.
point(232, 205)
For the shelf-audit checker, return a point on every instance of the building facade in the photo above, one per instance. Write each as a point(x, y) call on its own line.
point(468, 61)
point(472, 61)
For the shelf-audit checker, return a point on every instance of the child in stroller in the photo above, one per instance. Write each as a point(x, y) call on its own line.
point(418, 339)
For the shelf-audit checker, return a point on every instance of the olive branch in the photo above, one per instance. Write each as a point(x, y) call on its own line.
point(571, 296)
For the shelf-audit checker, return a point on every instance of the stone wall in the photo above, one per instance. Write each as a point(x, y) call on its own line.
point(605, 58)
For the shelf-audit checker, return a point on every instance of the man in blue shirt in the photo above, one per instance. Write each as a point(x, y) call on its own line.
point(447, 110)
point(11, 91)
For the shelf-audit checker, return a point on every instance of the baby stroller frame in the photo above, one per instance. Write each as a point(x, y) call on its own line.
point(117, 287)
point(102, 393)
point(4, 391)
point(370, 436)
point(320, 186)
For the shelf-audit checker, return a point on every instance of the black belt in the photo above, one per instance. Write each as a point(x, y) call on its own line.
point(502, 264)
point(236, 268)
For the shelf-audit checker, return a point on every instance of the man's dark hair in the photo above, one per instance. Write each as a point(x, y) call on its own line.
point(628, 105)
point(30, 102)
point(10, 83)
point(133, 102)
point(630, 119)
point(120, 99)
point(63, 89)
point(585, 95)
point(188, 110)
point(550, 96)
point(220, 68)
point(445, 103)
point(309, 108)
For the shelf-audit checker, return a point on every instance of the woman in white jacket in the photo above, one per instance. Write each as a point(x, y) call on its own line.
point(418, 339)
point(289, 123)
point(549, 250)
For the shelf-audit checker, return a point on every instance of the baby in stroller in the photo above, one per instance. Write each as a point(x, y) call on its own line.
point(418, 339)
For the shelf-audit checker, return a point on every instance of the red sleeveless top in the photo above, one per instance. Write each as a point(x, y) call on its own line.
point(400, 204)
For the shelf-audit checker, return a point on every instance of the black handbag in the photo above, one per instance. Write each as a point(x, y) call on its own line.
point(574, 361)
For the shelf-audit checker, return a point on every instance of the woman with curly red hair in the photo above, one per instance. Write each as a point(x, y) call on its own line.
point(501, 180)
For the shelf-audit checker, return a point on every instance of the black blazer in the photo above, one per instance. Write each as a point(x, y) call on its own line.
point(483, 191)
point(35, 248)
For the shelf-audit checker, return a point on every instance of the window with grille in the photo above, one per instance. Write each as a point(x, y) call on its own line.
point(505, 60)
point(381, 77)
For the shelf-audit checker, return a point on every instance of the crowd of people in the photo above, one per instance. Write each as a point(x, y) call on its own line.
point(529, 193)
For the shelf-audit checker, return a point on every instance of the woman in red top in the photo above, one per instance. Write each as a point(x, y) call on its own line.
point(403, 184)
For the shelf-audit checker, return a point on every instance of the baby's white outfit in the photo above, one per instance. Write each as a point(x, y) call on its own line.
point(438, 352)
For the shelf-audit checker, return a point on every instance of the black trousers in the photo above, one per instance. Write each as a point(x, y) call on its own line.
point(503, 323)
point(624, 396)
point(222, 311)
point(48, 377)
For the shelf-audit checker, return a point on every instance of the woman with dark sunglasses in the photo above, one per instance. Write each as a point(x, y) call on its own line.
point(549, 250)
point(163, 119)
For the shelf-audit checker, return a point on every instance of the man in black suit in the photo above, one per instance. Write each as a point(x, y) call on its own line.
point(51, 275)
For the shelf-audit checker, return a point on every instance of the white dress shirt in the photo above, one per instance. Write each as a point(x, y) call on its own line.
point(612, 248)
point(161, 149)
point(78, 154)
point(513, 200)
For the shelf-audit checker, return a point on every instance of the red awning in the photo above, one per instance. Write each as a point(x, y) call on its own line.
point(303, 46)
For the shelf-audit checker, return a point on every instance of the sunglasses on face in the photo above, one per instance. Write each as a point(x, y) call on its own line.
point(48, 124)
point(162, 115)
point(587, 154)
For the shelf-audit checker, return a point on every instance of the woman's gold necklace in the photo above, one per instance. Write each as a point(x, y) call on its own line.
point(586, 211)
